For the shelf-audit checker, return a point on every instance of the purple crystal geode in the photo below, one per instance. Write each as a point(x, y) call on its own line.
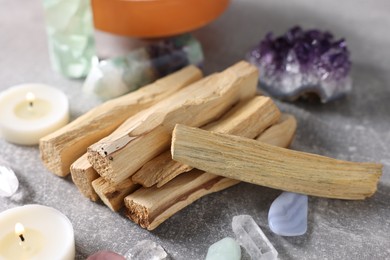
point(303, 62)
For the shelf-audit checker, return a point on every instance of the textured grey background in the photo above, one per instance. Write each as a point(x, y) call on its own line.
point(356, 128)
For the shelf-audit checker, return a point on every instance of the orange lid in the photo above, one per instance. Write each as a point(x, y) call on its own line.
point(154, 18)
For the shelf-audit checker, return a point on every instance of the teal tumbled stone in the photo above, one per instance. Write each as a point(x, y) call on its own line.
point(225, 249)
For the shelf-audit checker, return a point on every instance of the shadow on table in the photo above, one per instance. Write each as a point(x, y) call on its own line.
point(209, 219)
point(340, 219)
point(25, 193)
point(368, 99)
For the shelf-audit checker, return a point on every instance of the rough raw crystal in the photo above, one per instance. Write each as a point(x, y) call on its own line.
point(117, 76)
point(303, 62)
point(225, 249)
point(146, 250)
point(287, 215)
point(251, 237)
point(70, 33)
point(8, 181)
point(105, 255)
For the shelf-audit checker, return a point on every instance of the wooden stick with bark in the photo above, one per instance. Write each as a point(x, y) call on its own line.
point(60, 149)
point(148, 133)
point(149, 207)
point(249, 118)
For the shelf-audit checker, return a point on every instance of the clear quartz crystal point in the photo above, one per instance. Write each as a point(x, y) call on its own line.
point(69, 28)
point(8, 181)
point(146, 250)
point(224, 249)
point(251, 237)
point(116, 76)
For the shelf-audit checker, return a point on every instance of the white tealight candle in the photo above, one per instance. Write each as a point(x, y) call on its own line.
point(35, 232)
point(31, 111)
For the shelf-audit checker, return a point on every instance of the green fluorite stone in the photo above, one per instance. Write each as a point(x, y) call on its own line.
point(70, 35)
point(225, 249)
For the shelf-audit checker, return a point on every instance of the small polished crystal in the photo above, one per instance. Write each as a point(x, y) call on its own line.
point(251, 237)
point(225, 249)
point(119, 75)
point(8, 181)
point(303, 62)
point(287, 215)
point(146, 250)
point(106, 255)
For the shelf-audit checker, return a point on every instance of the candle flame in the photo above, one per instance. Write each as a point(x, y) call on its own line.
point(19, 229)
point(30, 97)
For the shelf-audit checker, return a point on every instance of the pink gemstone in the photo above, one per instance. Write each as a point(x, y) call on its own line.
point(105, 255)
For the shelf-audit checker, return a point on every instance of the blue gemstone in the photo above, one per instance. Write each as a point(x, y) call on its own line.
point(287, 215)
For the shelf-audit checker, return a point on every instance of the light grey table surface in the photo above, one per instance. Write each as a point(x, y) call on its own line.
point(355, 128)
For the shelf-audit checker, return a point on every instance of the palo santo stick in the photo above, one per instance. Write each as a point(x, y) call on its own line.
point(246, 119)
point(60, 149)
point(148, 133)
point(111, 195)
point(94, 187)
point(255, 162)
point(285, 127)
point(158, 168)
point(82, 175)
point(149, 207)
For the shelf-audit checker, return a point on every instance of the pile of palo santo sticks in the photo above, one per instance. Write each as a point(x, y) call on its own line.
point(120, 151)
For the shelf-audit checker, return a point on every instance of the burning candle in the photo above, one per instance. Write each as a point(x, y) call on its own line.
point(35, 232)
point(31, 111)
point(19, 231)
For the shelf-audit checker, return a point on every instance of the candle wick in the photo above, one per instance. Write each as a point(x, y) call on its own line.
point(31, 104)
point(21, 237)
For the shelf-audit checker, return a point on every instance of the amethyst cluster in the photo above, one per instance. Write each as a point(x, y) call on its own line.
point(303, 62)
